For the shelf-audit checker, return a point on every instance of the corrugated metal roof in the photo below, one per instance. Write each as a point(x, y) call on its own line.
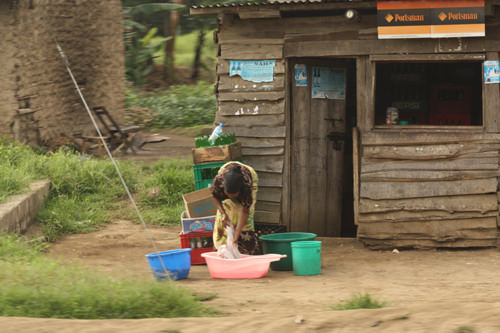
point(275, 2)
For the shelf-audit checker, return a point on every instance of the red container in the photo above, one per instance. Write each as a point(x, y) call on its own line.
point(199, 242)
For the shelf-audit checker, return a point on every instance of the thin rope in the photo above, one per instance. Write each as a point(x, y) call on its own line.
point(66, 63)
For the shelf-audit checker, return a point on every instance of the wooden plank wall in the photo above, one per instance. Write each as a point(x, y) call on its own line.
point(257, 112)
point(428, 190)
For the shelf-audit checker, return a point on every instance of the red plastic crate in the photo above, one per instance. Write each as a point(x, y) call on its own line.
point(196, 258)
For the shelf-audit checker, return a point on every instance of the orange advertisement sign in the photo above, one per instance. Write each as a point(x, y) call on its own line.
point(430, 19)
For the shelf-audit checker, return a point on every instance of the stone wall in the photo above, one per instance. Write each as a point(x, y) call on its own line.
point(8, 103)
point(90, 33)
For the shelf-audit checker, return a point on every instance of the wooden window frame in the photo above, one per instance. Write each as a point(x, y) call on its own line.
point(488, 107)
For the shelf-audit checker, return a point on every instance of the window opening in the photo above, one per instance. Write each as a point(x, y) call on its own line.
point(441, 94)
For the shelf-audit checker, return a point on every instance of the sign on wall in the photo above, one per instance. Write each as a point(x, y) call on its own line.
point(328, 82)
point(253, 70)
point(430, 19)
point(300, 75)
point(491, 71)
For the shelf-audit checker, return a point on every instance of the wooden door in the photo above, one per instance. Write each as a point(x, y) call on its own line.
point(318, 126)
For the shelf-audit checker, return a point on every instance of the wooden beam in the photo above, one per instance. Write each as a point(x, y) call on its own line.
point(251, 51)
point(251, 96)
point(480, 203)
point(258, 143)
point(257, 132)
point(473, 162)
point(253, 120)
point(356, 172)
point(271, 194)
point(398, 137)
point(426, 244)
point(438, 230)
point(428, 152)
point(416, 175)
point(268, 179)
point(333, 48)
point(400, 190)
point(427, 57)
point(283, 7)
point(414, 216)
point(365, 77)
point(285, 200)
point(249, 13)
point(272, 164)
point(250, 108)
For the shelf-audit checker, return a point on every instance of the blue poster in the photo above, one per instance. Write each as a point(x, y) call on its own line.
point(253, 70)
point(300, 75)
point(328, 83)
point(491, 71)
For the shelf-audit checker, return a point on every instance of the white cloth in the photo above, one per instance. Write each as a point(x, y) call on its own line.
point(229, 250)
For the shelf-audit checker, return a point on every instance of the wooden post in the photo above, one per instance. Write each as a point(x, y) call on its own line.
point(355, 171)
point(491, 102)
point(365, 77)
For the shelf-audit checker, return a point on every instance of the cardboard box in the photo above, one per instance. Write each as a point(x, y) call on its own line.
point(199, 203)
point(197, 224)
point(224, 153)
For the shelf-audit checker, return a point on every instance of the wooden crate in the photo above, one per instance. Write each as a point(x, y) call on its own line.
point(225, 153)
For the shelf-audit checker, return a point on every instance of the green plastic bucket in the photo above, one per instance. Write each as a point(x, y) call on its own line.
point(280, 243)
point(306, 258)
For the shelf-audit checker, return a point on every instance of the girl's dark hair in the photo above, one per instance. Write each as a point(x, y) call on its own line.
point(233, 180)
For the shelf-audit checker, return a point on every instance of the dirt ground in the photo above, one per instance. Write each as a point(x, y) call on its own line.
point(425, 291)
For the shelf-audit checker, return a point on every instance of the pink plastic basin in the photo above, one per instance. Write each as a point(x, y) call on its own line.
point(247, 267)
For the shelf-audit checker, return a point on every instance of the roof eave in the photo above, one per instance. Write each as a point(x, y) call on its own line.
point(281, 7)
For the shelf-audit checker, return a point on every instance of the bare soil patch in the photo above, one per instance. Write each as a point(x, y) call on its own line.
point(426, 291)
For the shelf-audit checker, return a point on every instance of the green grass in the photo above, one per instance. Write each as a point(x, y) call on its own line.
point(172, 179)
point(359, 301)
point(34, 286)
point(86, 192)
point(179, 106)
point(14, 178)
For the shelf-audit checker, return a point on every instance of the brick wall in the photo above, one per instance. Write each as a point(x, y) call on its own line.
point(90, 32)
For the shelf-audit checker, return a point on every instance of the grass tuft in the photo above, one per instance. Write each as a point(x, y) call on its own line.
point(359, 301)
point(465, 329)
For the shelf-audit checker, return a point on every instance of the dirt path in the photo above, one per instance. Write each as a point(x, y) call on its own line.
point(176, 146)
point(426, 291)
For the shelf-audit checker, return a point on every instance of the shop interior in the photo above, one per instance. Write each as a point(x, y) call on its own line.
point(429, 93)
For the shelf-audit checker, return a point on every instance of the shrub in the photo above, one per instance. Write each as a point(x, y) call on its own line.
point(180, 106)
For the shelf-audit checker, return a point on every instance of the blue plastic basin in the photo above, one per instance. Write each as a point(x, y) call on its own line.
point(176, 262)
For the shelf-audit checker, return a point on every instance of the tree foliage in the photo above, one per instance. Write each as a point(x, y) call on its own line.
point(139, 47)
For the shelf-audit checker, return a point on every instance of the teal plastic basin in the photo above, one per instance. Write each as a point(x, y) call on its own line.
point(280, 243)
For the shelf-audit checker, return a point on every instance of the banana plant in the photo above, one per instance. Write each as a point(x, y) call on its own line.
point(139, 47)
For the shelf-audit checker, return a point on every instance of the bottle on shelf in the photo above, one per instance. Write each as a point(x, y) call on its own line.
point(217, 132)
